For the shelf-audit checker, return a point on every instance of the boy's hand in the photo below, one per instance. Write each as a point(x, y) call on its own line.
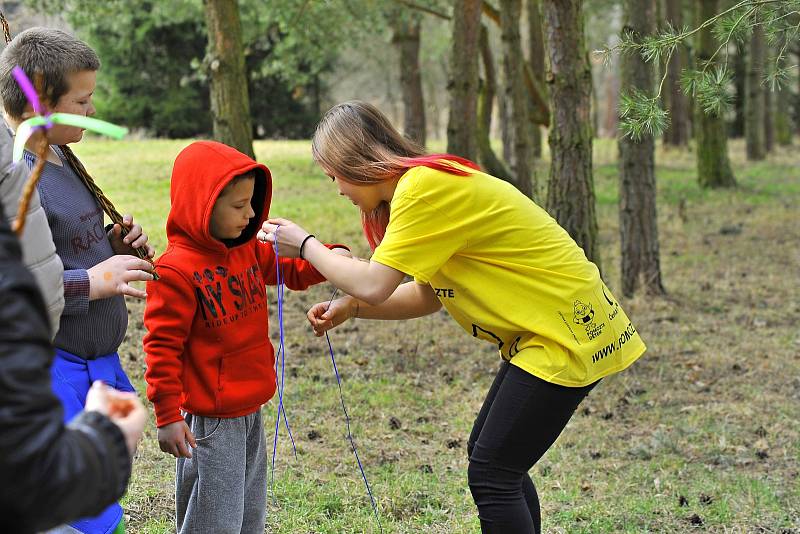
point(136, 238)
point(172, 439)
point(112, 277)
point(323, 318)
point(123, 408)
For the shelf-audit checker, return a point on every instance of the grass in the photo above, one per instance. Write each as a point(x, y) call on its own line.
point(702, 434)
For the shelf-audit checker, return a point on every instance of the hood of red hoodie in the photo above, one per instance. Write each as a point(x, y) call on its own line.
point(200, 173)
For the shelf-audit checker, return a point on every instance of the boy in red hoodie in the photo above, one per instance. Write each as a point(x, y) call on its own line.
point(210, 363)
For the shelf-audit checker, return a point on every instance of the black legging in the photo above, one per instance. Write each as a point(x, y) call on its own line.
point(520, 419)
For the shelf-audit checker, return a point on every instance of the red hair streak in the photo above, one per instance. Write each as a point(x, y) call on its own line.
point(375, 223)
point(441, 162)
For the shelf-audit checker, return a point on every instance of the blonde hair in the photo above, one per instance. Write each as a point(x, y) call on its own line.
point(356, 143)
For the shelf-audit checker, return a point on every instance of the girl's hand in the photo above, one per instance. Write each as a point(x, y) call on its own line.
point(290, 236)
point(173, 439)
point(323, 318)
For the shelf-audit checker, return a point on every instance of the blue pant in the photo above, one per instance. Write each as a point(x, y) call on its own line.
point(72, 377)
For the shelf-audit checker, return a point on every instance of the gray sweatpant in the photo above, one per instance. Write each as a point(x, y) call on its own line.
point(222, 488)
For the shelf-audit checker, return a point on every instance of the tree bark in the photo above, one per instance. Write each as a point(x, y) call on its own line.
point(611, 100)
point(516, 97)
point(230, 104)
point(783, 98)
point(797, 102)
point(713, 165)
point(506, 136)
point(437, 102)
point(536, 60)
point(637, 201)
point(570, 195)
point(406, 39)
point(754, 104)
point(769, 111)
point(739, 76)
point(678, 132)
point(540, 109)
point(463, 83)
point(486, 95)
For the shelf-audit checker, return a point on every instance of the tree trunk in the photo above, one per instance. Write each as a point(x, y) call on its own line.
point(516, 95)
point(739, 76)
point(754, 104)
point(783, 128)
point(769, 111)
point(637, 192)
point(713, 165)
point(506, 124)
point(536, 49)
point(488, 90)
point(595, 105)
point(570, 194)
point(316, 96)
point(463, 83)
point(611, 99)
point(406, 39)
point(230, 104)
point(436, 102)
point(797, 101)
point(678, 132)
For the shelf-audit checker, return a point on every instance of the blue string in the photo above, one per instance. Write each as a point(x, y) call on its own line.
point(281, 289)
point(347, 421)
point(280, 358)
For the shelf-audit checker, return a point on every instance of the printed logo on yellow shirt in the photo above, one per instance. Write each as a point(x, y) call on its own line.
point(584, 313)
point(482, 333)
point(614, 305)
point(583, 316)
point(445, 292)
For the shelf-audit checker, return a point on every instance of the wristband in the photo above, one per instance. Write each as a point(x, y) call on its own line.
point(309, 236)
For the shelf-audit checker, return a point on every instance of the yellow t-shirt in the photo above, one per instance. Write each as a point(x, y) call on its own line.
point(508, 274)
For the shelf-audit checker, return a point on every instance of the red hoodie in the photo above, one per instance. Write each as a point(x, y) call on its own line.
point(207, 348)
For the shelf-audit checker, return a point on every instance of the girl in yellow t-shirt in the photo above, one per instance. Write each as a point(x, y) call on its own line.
point(503, 269)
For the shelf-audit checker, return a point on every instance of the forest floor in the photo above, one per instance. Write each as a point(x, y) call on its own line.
point(701, 434)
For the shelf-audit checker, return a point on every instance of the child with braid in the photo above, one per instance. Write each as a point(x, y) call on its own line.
point(99, 262)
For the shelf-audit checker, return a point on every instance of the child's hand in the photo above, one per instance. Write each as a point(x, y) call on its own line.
point(136, 238)
point(123, 408)
point(290, 236)
point(112, 277)
point(172, 438)
point(323, 318)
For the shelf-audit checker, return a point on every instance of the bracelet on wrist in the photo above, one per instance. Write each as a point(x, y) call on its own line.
point(303, 244)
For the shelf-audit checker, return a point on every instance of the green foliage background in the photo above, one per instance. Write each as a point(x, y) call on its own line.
point(154, 64)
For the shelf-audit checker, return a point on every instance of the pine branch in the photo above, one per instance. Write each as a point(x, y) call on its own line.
point(641, 114)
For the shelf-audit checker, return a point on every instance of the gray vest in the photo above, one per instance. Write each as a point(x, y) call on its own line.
point(38, 249)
